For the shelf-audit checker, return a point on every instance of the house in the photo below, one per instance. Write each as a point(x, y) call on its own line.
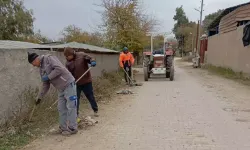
point(230, 19)
point(225, 47)
point(18, 77)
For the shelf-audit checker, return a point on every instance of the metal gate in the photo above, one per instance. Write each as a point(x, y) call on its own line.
point(203, 48)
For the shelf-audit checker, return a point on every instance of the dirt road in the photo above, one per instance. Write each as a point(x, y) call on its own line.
point(198, 111)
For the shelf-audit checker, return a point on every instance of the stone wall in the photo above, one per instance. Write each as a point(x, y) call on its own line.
point(16, 74)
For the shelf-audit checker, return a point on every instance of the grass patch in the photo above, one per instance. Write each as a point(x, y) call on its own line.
point(12, 141)
point(228, 73)
point(18, 131)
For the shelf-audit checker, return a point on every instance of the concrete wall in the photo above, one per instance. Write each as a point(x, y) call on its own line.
point(227, 50)
point(16, 74)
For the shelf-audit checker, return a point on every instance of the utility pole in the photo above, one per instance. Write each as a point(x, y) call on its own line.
point(201, 12)
point(199, 31)
point(197, 37)
point(151, 43)
point(192, 42)
point(164, 45)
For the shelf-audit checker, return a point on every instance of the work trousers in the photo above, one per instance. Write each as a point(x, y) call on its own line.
point(87, 89)
point(129, 72)
point(67, 103)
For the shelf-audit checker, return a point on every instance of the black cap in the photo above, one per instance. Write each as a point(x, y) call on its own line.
point(32, 57)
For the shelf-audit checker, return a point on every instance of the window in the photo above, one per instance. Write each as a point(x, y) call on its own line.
point(241, 23)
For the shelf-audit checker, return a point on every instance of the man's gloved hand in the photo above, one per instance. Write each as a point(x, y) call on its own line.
point(38, 101)
point(93, 63)
point(45, 78)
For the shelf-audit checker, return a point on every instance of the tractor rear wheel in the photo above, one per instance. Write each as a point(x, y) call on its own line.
point(169, 61)
point(167, 74)
point(145, 71)
point(172, 73)
point(169, 64)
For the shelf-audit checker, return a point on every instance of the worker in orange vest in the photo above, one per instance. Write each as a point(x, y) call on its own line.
point(126, 61)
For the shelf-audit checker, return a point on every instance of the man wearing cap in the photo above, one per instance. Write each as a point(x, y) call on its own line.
point(126, 60)
point(52, 71)
point(78, 63)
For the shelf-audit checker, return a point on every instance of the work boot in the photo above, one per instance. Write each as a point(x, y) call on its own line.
point(69, 132)
point(73, 131)
point(96, 114)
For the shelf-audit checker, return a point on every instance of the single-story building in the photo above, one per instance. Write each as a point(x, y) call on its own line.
point(230, 19)
point(17, 75)
point(225, 33)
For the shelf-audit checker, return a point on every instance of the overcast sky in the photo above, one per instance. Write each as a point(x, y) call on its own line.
point(53, 15)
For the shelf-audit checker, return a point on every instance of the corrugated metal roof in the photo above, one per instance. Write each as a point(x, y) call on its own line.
point(7, 44)
point(84, 46)
point(52, 43)
point(216, 21)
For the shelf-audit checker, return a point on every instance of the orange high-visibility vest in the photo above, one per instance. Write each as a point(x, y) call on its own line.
point(126, 58)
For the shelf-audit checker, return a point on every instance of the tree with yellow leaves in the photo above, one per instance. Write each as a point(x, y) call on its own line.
point(124, 24)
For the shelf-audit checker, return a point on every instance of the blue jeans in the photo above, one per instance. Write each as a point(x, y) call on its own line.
point(67, 107)
point(87, 89)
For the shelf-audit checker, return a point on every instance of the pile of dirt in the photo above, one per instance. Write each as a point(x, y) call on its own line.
point(124, 92)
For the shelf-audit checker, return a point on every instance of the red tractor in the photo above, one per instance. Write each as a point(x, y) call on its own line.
point(159, 63)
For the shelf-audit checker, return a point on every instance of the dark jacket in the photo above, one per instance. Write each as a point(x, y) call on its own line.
point(78, 66)
point(58, 75)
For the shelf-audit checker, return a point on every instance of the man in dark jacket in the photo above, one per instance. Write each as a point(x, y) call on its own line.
point(52, 71)
point(77, 63)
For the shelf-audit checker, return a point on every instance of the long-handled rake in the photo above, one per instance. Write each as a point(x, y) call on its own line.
point(131, 81)
point(76, 82)
point(32, 112)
